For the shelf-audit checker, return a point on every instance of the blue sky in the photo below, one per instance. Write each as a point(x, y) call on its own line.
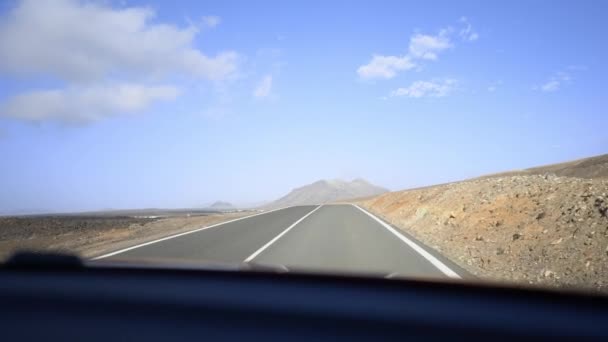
point(130, 104)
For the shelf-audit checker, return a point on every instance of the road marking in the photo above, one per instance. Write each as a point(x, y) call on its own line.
point(256, 253)
point(441, 266)
point(181, 234)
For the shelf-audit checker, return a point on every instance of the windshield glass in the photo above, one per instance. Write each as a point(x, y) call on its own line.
point(440, 139)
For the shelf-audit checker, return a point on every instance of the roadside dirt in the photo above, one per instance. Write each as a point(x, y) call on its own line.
point(531, 229)
point(89, 236)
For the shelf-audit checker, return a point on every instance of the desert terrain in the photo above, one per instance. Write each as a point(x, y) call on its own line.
point(545, 225)
point(91, 235)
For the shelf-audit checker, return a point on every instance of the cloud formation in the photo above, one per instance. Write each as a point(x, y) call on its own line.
point(426, 46)
point(467, 33)
point(211, 21)
point(550, 86)
point(422, 47)
point(559, 79)
point(83, 41)
point(385, 66)
point(90, 44)
point(434, 88)
point(85, 104)
point(264, 87)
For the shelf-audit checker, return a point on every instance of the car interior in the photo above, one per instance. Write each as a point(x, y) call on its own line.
point(60, 297)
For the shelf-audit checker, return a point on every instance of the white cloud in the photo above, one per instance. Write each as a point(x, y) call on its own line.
point(466, 32)
point(211, 21)
point(85, 104)
point(418, 89)
point(550, 86)
point(425, 46)
point(264, 87)
point(421, 47)
point(84, 41)
point(87, 46)
point(385, 66)
point(558, 79)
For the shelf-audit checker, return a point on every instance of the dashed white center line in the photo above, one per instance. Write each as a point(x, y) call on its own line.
point(256, 253)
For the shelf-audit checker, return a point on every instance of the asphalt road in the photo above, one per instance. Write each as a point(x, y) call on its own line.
point(327, 238)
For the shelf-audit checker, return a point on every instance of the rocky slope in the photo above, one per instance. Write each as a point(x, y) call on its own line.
point(592, 168)
point(325, 191)
point(533, 229)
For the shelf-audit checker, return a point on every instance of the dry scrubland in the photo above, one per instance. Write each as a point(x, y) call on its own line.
point(93, 235)
point(534, 226)
point(545, 225)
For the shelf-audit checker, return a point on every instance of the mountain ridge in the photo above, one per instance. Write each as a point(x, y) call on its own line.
point(326, 191)
point(221, 205)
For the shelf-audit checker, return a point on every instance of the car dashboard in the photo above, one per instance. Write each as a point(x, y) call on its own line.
point(64, 301)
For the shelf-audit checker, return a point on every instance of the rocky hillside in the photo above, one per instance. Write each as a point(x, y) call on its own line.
point(533, 229)
point(325, 191)
point(592, 168)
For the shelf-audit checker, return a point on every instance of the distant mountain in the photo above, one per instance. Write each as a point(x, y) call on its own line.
point(251, 205)
point(325, 191)
point(220, 205)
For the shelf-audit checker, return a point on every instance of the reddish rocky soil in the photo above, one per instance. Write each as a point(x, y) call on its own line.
point(532, 229)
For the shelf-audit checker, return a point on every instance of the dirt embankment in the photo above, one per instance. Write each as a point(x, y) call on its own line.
point(94, 235)
point(535, 229)
point(592, 168)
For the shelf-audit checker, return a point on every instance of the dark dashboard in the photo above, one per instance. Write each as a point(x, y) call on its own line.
point(77, 302)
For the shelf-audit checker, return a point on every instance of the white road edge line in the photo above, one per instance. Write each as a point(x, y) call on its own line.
point(181, 234)
point(441, 266)
point(256, 253)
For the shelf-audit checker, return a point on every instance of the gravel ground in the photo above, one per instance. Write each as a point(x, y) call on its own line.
point(531, 229)
point(90, 236)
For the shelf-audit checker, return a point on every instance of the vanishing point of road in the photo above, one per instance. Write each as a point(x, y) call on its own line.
point(340, 238)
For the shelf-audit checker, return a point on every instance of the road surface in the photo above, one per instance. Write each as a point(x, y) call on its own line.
point(327, 238)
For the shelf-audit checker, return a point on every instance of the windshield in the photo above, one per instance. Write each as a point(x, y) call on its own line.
point(438, 140)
